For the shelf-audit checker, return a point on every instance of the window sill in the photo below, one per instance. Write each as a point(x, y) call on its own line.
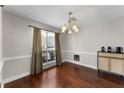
point(49, 64)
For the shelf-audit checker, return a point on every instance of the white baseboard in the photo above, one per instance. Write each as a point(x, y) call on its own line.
point(79, 63)
point(15, 77)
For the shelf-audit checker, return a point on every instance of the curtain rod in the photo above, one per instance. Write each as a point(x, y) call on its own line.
point(1, 5)
point(40, 28)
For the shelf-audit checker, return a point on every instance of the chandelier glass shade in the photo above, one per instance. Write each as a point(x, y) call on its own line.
point(70, 26)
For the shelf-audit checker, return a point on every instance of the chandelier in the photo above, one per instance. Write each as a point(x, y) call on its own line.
point(70, 26)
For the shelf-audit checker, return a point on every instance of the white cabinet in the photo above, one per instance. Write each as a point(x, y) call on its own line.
point(111, 62)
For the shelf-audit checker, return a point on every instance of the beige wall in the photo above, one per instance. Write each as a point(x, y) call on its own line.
point(91, 38)
point(0, 33)
point(17, 44)
point(0, 42)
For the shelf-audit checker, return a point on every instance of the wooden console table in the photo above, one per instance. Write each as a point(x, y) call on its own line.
point(111, 62)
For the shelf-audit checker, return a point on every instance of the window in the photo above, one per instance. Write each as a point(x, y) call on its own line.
point(48, 47)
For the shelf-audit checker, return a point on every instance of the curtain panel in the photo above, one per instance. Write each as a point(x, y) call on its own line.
point(36, 64)
point(58, 50)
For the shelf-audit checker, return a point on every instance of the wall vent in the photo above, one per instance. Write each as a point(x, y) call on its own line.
point(76, 57)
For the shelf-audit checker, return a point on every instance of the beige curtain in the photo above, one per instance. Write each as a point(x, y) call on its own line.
point(36, 65)
point(58, 50)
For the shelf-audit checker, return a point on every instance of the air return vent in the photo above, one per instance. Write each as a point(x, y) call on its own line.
point(76, 57)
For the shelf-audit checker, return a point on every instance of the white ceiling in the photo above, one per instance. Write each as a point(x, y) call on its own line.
point(57, 15)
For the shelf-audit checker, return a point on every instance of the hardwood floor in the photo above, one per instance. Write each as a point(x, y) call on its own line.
point(69, 76)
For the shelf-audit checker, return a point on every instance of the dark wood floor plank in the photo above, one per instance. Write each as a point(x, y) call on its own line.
point(69, 76)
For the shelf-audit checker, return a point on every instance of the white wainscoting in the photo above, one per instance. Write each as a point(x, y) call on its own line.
point(1, 66)
point(15, 77)
point(88, 59)
point(14, 68)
